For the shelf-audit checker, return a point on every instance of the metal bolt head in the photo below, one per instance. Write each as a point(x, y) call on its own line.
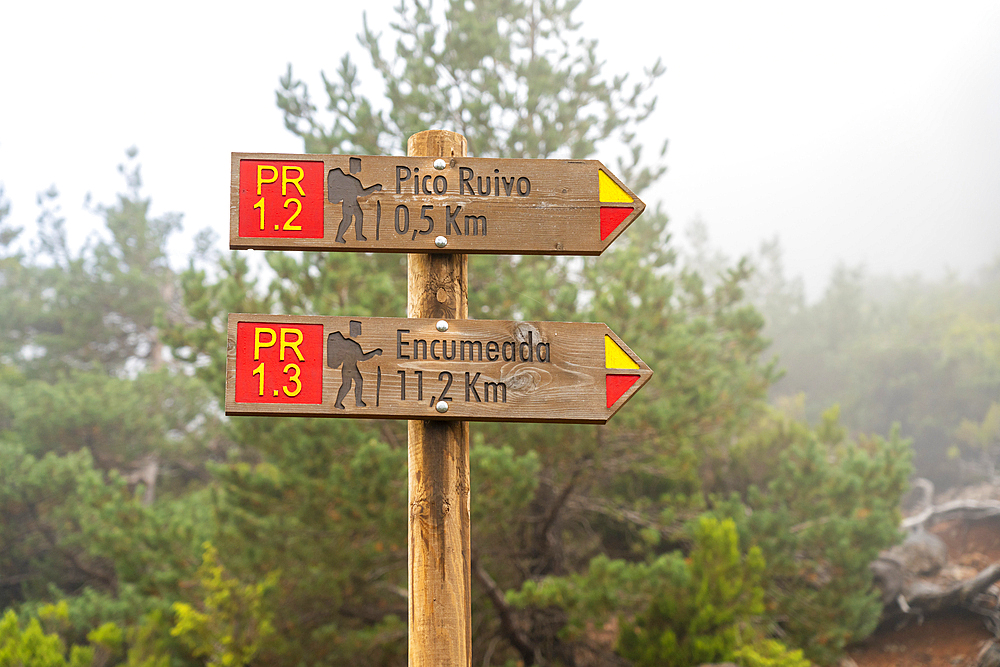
point(440, 241)
point(442, 326)
point(440, 164)
point(442, 406)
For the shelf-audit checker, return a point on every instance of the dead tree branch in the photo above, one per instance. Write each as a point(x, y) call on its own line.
point(508, 628)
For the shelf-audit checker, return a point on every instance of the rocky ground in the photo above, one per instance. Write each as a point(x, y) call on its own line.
point(953, 638)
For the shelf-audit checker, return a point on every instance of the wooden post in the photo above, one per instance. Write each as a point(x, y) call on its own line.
point(438, 531)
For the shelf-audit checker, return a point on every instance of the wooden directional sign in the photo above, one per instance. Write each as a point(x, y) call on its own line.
point(423, 205)
point(397, 368)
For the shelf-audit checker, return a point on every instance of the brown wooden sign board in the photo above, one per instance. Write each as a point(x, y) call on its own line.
point(425, 205)
point(404, 368)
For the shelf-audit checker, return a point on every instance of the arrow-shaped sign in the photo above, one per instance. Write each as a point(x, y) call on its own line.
point(399, 368)
point(421, 205)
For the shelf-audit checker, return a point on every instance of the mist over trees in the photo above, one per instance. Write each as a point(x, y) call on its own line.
point(907, 351)
point(139, 526)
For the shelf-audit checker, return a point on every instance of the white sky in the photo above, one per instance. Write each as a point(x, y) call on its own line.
point(855, 131)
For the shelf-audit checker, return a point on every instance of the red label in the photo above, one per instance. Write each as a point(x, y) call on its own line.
point(281, 199)
point(279, 363)
point(617, 385)
point(611, 218)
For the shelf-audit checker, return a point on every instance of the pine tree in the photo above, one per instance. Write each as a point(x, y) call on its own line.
point(557, 496)
point(525, 90)
point(696, 513)
point(104, 441)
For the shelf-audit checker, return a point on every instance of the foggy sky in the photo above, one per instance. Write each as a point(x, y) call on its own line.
point(856, 132)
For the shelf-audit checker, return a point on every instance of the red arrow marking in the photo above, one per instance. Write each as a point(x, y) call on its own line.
point(611, 218)
point(618, 385)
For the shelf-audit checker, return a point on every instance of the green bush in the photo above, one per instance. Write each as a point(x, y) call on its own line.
point(710, 609)
point(821, 512)
point(675, 610)
point(232, 624)
point(32, 647)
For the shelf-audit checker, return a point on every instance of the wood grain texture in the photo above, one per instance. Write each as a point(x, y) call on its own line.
point(500, 370)
point(439, 526)
point(558, 214)
point(437, 286)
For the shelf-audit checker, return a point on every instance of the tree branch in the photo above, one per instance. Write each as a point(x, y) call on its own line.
point(529, 653)
point(965, 509)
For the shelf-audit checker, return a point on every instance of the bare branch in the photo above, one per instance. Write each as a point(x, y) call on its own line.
point(517, 638)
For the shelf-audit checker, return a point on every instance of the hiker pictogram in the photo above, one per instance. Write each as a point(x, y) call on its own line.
point(348, 352)
point(348, 188)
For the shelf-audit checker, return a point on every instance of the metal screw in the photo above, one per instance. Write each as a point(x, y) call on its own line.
point(442, 326)
point(440, 164)
point(442, 406)
point(440, 241)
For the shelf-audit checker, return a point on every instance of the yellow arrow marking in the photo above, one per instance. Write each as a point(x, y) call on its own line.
point(611, 191)
point(615, 356)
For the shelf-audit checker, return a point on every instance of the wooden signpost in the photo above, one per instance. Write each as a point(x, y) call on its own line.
point(436, 368)
point(439, 525)
point(397, 368)
point(426, 204)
